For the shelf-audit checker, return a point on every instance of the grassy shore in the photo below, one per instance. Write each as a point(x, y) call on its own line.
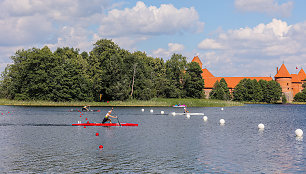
point(153, 102)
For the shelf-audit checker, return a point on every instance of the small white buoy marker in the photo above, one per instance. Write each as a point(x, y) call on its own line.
point(173, 113)
point(222, 109)
point(151, 110)
point(299, 132)
point(142, 110)
point(162, 112)
point(222, 121)
point(205, 118)
point(261, 126)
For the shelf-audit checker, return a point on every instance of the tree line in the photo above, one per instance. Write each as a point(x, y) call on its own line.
point(107, 72)
point(248, 90)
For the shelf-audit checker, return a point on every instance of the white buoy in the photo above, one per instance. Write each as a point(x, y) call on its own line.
point(205, 118)
point(151, 110)
point(162, 112)
point(222, 109)
point(222, 121)
point(142, 110)
point(188, 116)
point(261, 126)
point(173, 113)
point(299, 132)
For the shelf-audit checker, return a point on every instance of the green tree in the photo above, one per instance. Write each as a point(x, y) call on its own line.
point(70, 77)
point(220, 91)
point(257, 91)
point(264, 87)
point(194, 83)
point(175, 69)
point(108, 76)
point(241, 91)
point(274, 92)
point(141, 73)
point(284, 99)
point(301, 96)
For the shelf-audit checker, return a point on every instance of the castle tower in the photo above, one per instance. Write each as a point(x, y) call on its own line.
point(284, 78)
point(196, 59)
point(302, 75)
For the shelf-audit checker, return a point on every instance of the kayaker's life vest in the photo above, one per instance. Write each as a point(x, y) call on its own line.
point(108, 113)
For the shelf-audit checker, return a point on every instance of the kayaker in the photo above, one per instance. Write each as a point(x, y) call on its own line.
point(106, 118)
point(85, 108)
point(185, 110)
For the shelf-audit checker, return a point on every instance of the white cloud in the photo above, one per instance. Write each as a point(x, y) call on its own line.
point(172, 48)
point(79, 23)
point(270, 7)
point(143, 20)
point(57, 23)
point(209, 44)
point(258, 50)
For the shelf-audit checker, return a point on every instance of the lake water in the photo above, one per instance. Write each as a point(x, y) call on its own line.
point(42, 140)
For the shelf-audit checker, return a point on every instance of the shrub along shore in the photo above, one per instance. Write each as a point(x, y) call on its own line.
point(133, 103)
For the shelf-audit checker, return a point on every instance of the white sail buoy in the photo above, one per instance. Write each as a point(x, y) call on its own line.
point(142, 110)
point(205, 118)
point(299, 132)
point(162, 112)
point(222, 121)
point(151, 110)
point(261, 126)
point(173, 113)
point(222, 109)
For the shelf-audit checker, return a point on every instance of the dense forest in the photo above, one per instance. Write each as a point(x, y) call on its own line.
point(108, 72)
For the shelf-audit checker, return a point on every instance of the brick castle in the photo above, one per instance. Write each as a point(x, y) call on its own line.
point(291, 84)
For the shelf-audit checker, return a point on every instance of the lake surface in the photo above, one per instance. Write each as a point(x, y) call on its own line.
point(42, 140)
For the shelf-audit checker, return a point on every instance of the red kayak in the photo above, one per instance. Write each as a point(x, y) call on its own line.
point(104, 124)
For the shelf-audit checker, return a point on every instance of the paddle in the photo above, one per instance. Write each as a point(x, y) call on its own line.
point(118, 121)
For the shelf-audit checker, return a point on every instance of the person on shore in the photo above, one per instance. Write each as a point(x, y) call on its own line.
point(107, 116)
point(85, 109)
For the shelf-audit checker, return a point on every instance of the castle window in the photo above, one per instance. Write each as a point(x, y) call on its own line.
point(287, 84)
point(288, 88)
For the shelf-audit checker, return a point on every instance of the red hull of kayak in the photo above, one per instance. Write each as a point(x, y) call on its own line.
point(104, 124)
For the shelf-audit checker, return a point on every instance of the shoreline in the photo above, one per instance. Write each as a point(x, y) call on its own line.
point(157, 102)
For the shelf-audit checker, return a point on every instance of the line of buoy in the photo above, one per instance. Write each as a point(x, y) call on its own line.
point(261, 126)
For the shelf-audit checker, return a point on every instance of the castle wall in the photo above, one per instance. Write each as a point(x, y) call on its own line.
point(296, 88)
point(286, 85)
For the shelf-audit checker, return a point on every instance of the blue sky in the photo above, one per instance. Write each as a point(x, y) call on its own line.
point(231, 37)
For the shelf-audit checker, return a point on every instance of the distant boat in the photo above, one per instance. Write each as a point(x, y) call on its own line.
point(179, 106)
